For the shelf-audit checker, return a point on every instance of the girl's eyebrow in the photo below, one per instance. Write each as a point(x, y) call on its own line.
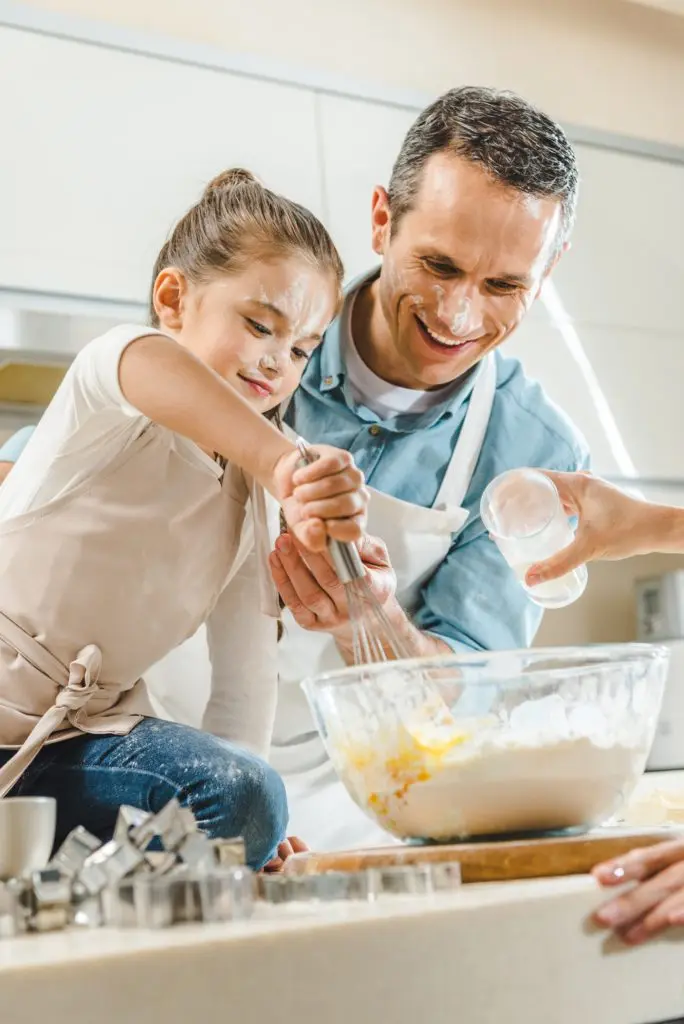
point(279, 313)
point(268, 306)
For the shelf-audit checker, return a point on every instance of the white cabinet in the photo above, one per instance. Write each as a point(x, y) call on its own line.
point(103, 150)
point(622, 386)
point(626, 265)
point(611, 352)
point(360, 142)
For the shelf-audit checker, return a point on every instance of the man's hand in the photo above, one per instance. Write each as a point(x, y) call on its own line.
point(309, 586)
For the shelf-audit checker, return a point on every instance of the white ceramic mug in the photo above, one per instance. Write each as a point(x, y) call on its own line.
point(27, 833)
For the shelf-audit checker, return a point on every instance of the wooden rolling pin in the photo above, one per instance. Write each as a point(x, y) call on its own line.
point(495, 861)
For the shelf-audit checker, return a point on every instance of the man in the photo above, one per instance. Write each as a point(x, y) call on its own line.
point(478, 211)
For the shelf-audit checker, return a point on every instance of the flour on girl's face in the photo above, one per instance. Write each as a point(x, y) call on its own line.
point(307, 311)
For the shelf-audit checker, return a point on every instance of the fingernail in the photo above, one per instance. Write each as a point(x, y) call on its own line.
point(676, 917)
point(610, 915)
point(635, 936)
point(610, 873)
point(284, 544)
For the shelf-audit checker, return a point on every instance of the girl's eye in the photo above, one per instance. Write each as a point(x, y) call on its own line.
point(299, 353)
point(259, 328)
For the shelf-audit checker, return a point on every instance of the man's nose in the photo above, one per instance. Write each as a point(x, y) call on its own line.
point(460, 309)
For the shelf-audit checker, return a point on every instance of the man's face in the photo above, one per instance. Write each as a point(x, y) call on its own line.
point(460, 270)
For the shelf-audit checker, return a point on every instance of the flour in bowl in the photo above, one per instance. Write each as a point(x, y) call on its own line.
point(545, 768)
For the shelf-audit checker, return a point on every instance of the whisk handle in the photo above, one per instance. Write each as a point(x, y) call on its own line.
point(346, 561)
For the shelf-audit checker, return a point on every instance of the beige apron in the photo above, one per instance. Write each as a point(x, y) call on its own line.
point(103, 582)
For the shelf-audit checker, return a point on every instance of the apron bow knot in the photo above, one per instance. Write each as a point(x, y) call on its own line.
point(84, 673)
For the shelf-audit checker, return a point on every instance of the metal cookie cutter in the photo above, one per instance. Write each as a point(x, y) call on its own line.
point(149, 901)
point(189, 878)
point(326, 888)
point(42, 901)
point(367, 885)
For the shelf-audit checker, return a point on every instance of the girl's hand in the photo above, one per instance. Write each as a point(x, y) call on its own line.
point(326, 499)
point(288, 847)
point(657, 900)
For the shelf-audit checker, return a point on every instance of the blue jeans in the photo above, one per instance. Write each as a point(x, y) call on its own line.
point(230, 791)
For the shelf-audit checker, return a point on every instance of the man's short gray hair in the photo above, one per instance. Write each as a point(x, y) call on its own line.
point(514, 142)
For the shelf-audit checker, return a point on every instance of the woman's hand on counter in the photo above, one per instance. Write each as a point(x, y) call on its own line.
point(657, 900)
point(611, 525)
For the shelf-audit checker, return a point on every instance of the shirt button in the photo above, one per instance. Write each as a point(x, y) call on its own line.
point(374, 430)
point(327, 381)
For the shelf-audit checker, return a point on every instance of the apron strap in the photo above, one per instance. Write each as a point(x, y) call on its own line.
point(77, 685)
point(461, 467)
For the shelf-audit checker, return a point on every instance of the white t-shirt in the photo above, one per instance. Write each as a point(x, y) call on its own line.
point(85, 426)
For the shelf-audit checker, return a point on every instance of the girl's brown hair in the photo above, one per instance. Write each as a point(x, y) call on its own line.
point(236, 220)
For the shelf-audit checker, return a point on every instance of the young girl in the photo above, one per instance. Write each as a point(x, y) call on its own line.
point(120, 524)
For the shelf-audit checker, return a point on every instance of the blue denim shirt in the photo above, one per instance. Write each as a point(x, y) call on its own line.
point(14, 445)
point(473, 601)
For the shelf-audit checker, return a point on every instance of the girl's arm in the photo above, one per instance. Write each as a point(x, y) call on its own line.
point(170, 386)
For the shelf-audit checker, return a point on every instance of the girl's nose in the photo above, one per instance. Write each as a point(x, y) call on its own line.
point(269, 365)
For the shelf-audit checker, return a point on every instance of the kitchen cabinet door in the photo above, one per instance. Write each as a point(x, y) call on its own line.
point(626, 264)
point(359, 143)
point(104, 150)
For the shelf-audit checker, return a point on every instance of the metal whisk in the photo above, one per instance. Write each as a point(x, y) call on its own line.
point(420, 707)
point(374, 638)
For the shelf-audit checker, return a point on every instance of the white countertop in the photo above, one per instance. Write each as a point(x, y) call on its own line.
point(517, 951)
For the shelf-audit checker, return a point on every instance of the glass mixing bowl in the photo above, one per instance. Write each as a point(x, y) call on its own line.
point(506, 742)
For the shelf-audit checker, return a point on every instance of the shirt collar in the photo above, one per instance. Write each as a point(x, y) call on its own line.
point(332, 362)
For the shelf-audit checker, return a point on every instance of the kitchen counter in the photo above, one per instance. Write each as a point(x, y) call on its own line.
point(517, 951)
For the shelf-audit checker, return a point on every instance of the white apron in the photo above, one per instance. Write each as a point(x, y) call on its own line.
point(418, 540)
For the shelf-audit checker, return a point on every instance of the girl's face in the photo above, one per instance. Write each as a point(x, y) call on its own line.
point(256, 328)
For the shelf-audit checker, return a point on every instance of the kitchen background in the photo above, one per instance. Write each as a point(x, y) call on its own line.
point(116, 112)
